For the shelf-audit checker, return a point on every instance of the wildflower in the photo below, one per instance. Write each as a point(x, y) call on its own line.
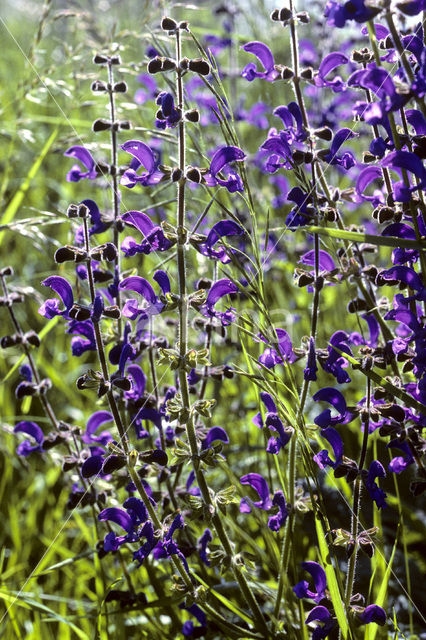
point(259, 484)
point(322, 458)
point(31, 429)
point(143, 156)
point(376, 470)
point(221, 159)
point(86, 159)
point(265, 57)
point(320, 581)
point(276, 522)
point(154, 238)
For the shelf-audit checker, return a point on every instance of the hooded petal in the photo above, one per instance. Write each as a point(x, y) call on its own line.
point(140, 220)
point(141, 152)
point(94, 422)
point(224, 156)
point(326, 262)
point(373, 613)
point(30, 429)
point(330, 62)
point(119, 516)
point(62, 287)
point(259, 484)
point(163, 280)
point(336, 399)
point(220, 289)
point(221, 229)
point(262, 53)
point(141, 286)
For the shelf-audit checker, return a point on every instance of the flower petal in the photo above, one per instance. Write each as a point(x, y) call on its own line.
point(62, 287)
point(119, 516)
point(141, 286)
point(141, 152)
point(224, 156)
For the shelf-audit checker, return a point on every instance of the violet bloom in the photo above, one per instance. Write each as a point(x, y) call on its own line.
point(129, 520)
point(143, 156)
point(329, 63)
point(26, 386)
point(202, 543)
point(346, 160)
point(213, 435)
point(266, 59)
point(50, 308)
point(98, 226)
point(335, 362)
point(366, 177)
point(400, 463)
point(143, 95)
point(271, 357)
point(337, 14)
point(337, 400)
point(310, 371)
point(320, 581)
point(221, 159)
point(405, 160)
point(373, 613)
point(85, 340)
point(221, 229)
point(376, 470)
point(85, 157)
point(93, 424)
point(141, 286)
point(322, 458)
point(377, 80)
point(294, 132)
point(259, 484)
point(168, 115)
point(31, 429)
point(273, 422)
point(154, 238)
point(303, 211)
point(276, 522)
point(217, 291)
point(323, 615)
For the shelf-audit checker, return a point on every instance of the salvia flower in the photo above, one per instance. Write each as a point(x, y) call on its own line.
point(337, 400)
point(405, 160)
point(129, 520)
point(276, 522)
point(221, 229)
point(259, 484)
point(86, 159)
point(373, 613)
point(320, 581)
point(329, 63)
point(321, 614)
point(346, 160)
point(266, 59)
point(217, 291)
point(337, 14)
point(322, 458)
point(154, 238)
point(310, 371)
point(168, 115)
point(335, 363)
point(375, 471)
point(202, 543)
point(93, 424)
point(143, 156)
point(294, 132)
point(144, 289)
point(31, 429)
point(220, 161)
point(50, 308)
point(271, 357)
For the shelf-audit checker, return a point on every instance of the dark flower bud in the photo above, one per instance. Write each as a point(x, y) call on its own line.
point(104, 388)
point(10, 341)
point(168, 24)
point(106, 251)
point(193, 115)
point(184, 25)
point(286, 73)
point(370, 271)
point(298, 156)
point(100, 59)
point(25, 388)
point(275, 15)
point(122, 383)
point(6, 271)
point(368, 157)
point(124, 125)
point(112, 312)
point(184, 64)
point(193, 174)
point(101, 124)
point(119, 225)
point(176, 175)
point(305, 279)
point(307, 73)
point(394, 411)
point(113, 463)
point(154, 65)
point(161, 64)
point(100, 276)
point(154, 455)
point(70, 254)
point(99, 85)
point(380, 281)
point(115, 59)
point(358, 304)
point(303, 17)
point(69, 462)
point(203, 283)
point(72, 211)
point(80, 313)
point(282, 15)
point(324, 133)
point(32, 338)
point(198, 65)
point(331, 214)
point(120, 87)
point(323, 154)
point(82, 211)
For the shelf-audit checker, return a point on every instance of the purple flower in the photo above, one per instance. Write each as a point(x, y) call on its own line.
point(373, 613)
point(143, 156)
point(219, 230)
point(335, 362)
point(288, 114)
point(93, 424)
point(323, 615)
point(221, 159)
point(376, 470)
point(310, 372)
point(322, 458)
point(265, 57)
point(85, 341)
point(337, 400)
point(320, 581)
point(285, 353)
point(405, 160)
point(167, 115)
point(98, 226)
point(142, 95)
point(276, 522)
point(62, 287)
point(337, 14)
point(259, 484)
point(144, 289)
point(31, 429)
point(347, 160)
point(217, 291)
point(328, 64)
point(202, 545)
point(400, 463)
point(214, 434)
point(85, 157)
point(154, 238)
point(303, 212)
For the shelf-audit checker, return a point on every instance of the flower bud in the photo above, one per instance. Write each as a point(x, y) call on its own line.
point(168, 24)
point(193, 174)
point(100, 59)
point(101, 124)
point(120, 87)
point(6, 271)
point(193, 115)
point(99, 85)
point(198, 65)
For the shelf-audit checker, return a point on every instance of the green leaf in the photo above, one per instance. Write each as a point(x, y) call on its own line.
point(380, 241)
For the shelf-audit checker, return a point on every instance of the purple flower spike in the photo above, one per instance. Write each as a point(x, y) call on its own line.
point(144, 156)
point(320, 581)
point(63, 288)
point(376, 470)
point(276, 522)
point(154, 238)
point(119, 516)
point(265, 57)
point(223, 157)
point(259, 484)
point(34, 431)
point(330, 62)
point(337, 400)
point(373, 613)
point(85, 157)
